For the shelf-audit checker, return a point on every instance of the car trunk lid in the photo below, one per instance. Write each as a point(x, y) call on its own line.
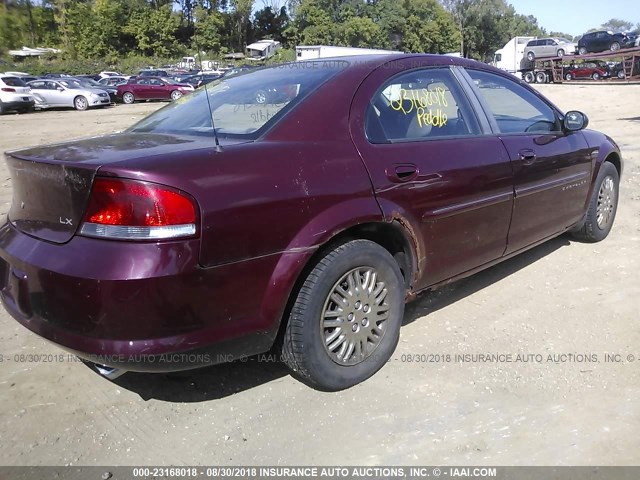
point(52, 184)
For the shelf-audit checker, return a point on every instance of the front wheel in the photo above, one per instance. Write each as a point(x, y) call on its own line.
point(80, 103)
point(595, 76)
point(561, 53)
point(582, 51)
point(345, 322)
point(531, 56)
point(621, 74)
point(568, 77)
point(615, 46)
point(602, 206)
point(176, 94)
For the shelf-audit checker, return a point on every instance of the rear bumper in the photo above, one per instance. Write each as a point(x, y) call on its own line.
point(141, 307)
point(19, 104)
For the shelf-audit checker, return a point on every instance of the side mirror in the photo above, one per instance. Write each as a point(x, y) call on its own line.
point(575, 121)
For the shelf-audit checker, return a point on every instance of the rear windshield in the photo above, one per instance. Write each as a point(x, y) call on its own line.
point(13, 82)
point(242, 106)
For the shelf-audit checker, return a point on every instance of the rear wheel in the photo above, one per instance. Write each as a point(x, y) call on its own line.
point(128, 98)
point(621, 74)
point(541, 77)
point(602, 206)
point(345, 322)
point(176, 94)
point(582, 51)
point(2, 110)
point(568, 77)
point(529, 77)
point(531, 56)
point(615, 46)
point(595, 76)
point(80, 103)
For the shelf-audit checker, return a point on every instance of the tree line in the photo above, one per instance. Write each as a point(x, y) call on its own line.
point(112, 29)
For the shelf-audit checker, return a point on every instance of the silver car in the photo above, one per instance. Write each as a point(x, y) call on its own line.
point(549, 47)
point(67, 93)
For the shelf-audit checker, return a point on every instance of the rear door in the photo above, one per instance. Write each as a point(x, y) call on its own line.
point(433, 165)
point(552, 168)
point(158, 89)
point(142, 89)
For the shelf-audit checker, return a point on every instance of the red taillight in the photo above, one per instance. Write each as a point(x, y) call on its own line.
point(137, 210)
point(7, 89)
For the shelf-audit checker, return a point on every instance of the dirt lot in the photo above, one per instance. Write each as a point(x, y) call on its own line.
point(560, 298)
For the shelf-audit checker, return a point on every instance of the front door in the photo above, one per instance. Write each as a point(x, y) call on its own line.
point(552, 168)
point(433, 167)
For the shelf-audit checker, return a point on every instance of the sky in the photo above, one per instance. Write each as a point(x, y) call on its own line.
point(577, 16)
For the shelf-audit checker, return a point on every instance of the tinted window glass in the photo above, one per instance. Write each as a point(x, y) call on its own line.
point(515, 109)
point(422, 104)
point(13, 82)
point(243, 105)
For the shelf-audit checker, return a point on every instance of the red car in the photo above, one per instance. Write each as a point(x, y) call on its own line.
point(152, 88)
point(219, 227)
point(584, 71)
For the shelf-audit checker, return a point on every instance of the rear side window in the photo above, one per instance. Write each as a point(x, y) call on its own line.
point(515, 109)
point(420, 105)
point(13, 82)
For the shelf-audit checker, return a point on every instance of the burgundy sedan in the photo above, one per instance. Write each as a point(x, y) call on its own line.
point(218, 227)
point(152, 88)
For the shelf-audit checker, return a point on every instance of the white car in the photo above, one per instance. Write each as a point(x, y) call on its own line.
point(15, 95)
point(108, 74)
point(67, 92)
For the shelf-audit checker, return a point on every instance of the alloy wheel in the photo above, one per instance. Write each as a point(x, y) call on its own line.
point(606, 202)
point(354, 316)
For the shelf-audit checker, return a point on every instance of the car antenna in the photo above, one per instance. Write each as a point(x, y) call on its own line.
point(213, 125)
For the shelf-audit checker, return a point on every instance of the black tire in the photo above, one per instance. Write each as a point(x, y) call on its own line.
point(541, 77)
point(621, 75)
point(2, 110)
point(128, 98)
point(615, 46)
point(595, 76)
point(568, 77)
point(582, 51)
point(176, 94)
point(529, 77)
point(305, 349)
point(591, 230)
point(560, 53)
point(531, 56)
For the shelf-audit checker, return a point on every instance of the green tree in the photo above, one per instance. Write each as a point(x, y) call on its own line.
point(208, 27)
point(155, 31)
point(617, 25)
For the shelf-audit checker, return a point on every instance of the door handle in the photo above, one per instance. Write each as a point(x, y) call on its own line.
point(527, 156)
point(402, 173)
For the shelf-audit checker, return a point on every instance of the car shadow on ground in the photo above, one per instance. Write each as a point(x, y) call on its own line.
point(220, 381)
point(631, 119)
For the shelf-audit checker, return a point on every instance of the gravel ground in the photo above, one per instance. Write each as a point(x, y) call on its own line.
point(565, 299)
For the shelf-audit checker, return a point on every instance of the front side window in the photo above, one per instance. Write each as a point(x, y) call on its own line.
point(515, 109)
point(420, 105)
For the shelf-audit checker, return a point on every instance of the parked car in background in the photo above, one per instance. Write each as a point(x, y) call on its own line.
point(175, 244)
point(586, 70)
point(66, 92)
point(152, 88)
point(89, 83)
point(549, 47)
point(200, 79)
point(153, 73)
point(107, 74)
point(15, 95)
point(602, 41)
point(95, 78)
point(113, 81)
